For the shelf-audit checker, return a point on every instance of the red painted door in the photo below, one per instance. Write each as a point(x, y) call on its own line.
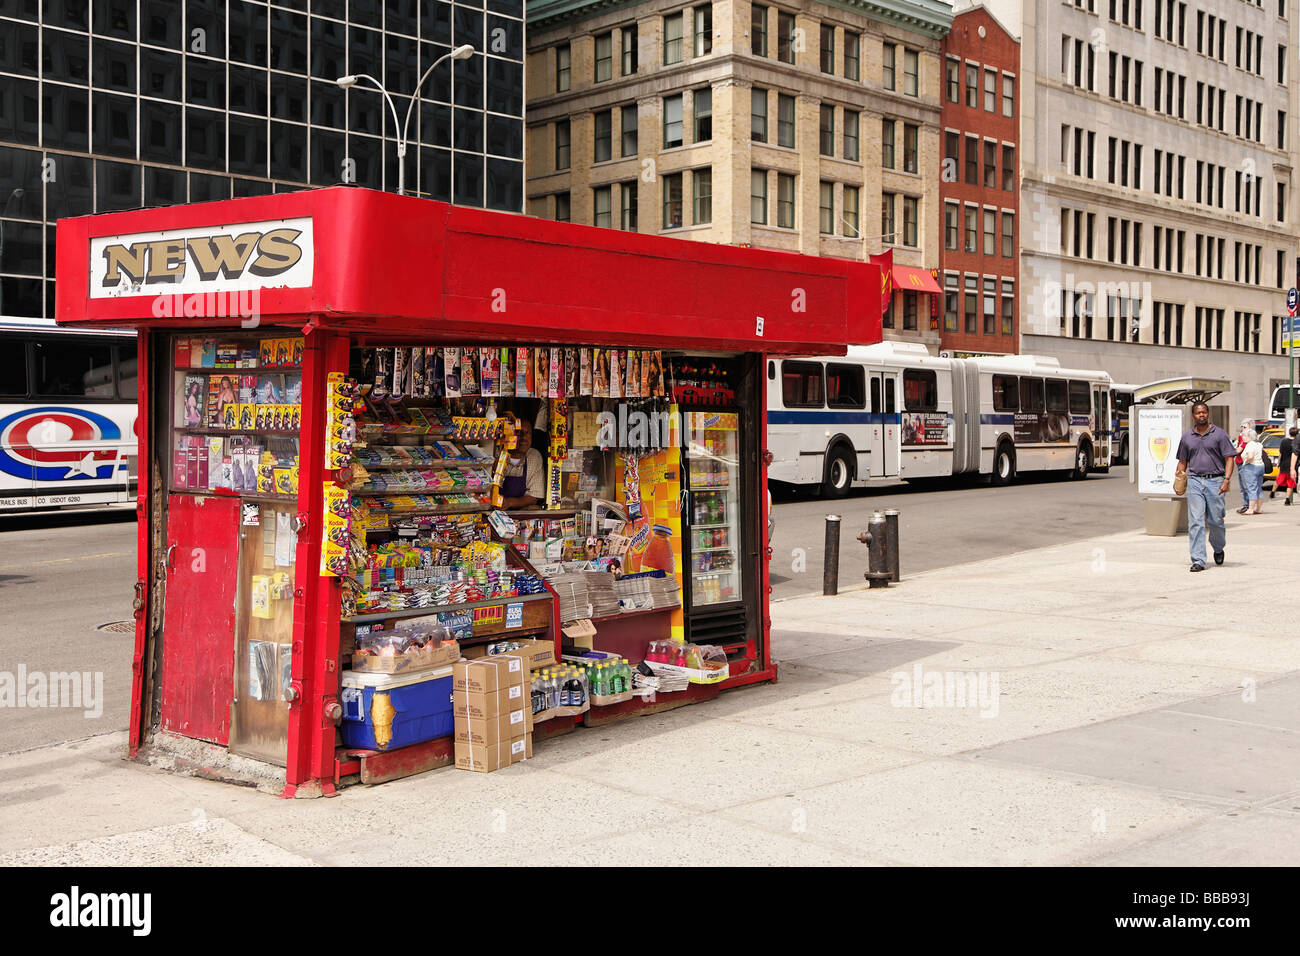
point(198, 647)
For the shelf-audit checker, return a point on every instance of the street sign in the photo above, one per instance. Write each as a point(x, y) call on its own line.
point(1292, 298)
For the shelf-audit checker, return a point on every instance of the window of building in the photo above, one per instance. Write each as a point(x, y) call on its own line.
point(562, 55)
point(604, 57)
point(851, 226)
point(629, 41)
point(911, 72)
point(785, 200)
point(972, 228)
point(911, 219)
point(1008, 95)
point(673, 38)
point(887, 217)
point(785, 37)
point(629, 130)
point(785, 120)
point(887, 77)
point(562, 212)
point(627, 205)
point(702, 107)
point(952, 79)
point(672, 121)
point(758, 30)
point(758, 196)
point(990, 91)
point(1008, 168)
point(850, 135)
point(990, 165)
point(826, 208)
point(887, 143)
point(601, 206)
point(1008, 234)
point(672, 200)
point(972, 160)
point(951, 229)
point(950, 296)
point(828, 48)
point(801, 384)
point(852, 56)
point(909, 311)
point(562, 144)
point(972, 85)
point(911, 148)
point(971, 304)
point(702, 196)
point(827, 128)
point(704, 30)
point(1008, 306)
point(758, 115)
point(602, 136)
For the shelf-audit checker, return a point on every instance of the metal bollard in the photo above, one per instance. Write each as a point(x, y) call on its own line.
point(831, 565)
point(875, 540)
point(891, 544)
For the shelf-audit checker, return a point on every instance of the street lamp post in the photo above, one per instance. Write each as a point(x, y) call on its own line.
point(346, 82)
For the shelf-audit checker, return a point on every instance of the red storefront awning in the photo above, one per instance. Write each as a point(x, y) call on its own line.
point(911, 279)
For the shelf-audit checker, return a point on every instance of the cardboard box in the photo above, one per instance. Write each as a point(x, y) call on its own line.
point(491, 730)
point(487, 675)
point(485, 758)
point(475, 704)
point(441, 656)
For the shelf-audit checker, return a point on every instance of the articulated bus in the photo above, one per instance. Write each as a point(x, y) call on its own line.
point(67, 417)
point(893, 410)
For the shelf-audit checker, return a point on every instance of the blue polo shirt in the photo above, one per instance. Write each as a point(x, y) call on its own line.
point(1205, 454)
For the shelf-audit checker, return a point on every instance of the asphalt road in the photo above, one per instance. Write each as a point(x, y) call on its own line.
point(61, 576)
point(946, 524)
point(64, 575)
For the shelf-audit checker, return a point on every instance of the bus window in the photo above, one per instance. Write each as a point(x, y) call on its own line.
point(875, 393)
point(74, 370)
point(126, 373)
point(1031, 395)
point(890, 405)
point(1006, 393)
point(920, 390)
point(1057, 397)
point(771, 371)
point(1080, 398)
point(845, 386)
point(801, 384)
point(13, 368)
point(1121, 401)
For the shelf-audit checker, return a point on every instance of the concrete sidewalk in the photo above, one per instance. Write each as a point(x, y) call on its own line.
point(1122, 711)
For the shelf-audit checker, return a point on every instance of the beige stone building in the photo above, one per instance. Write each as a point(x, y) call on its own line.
point(807, 127)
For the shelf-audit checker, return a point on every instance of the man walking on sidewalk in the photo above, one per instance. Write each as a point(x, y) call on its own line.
point(1206, 455)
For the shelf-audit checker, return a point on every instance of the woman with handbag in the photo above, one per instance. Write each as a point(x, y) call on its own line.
point(1247, 425)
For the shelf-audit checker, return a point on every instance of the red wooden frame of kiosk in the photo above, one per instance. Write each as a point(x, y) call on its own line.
point(385, 266)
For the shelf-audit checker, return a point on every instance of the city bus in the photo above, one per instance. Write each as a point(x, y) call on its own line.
point(1121, 400)
point(67, 417)
point(893, 410)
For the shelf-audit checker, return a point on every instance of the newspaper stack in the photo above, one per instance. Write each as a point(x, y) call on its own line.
point(670, 678)
point(571, 587)
point(649, 590)
point(600, 591)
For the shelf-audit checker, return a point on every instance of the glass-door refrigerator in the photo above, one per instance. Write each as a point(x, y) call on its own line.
point(711, 462)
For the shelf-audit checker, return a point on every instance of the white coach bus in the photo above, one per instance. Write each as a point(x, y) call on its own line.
point(894, 411)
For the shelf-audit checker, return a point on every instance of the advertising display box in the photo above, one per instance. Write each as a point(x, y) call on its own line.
point(292, 428)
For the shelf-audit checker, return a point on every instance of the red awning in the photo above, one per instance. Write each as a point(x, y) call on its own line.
point(910, 279)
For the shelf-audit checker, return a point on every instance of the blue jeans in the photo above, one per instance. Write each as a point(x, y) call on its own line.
point(1252, 477)
point(1205, 507)
point(1241, 483)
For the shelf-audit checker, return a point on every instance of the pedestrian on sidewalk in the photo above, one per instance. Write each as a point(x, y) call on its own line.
point(1247, 425)
point(1252, 470)
point(1285, 466)
point(1206, 455)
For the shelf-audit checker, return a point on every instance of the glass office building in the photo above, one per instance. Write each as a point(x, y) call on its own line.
point(117, 104)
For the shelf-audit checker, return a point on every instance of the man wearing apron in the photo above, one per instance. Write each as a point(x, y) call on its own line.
point(525, 479)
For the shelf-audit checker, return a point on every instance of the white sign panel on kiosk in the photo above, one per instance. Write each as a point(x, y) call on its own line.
point(1159, 429)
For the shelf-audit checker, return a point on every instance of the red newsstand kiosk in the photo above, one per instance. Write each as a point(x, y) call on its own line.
point(334, 379)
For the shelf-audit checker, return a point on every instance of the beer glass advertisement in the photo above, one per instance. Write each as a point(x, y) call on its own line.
point(1159, 431)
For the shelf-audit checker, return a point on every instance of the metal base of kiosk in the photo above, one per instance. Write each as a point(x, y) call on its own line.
point(1165, 516)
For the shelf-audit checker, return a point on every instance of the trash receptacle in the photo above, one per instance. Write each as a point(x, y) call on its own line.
point(1165, 516)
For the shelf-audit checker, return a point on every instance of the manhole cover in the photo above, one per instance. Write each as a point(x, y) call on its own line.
point(118, 627)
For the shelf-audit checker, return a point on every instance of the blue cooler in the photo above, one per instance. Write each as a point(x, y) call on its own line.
point(387, 711)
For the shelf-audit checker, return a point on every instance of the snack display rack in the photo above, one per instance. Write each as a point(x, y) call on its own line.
point(366, 514)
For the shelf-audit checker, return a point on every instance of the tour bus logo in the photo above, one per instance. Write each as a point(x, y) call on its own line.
point(263, 254)
point(46, 444)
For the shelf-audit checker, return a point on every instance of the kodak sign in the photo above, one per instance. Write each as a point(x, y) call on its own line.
point(243, 256)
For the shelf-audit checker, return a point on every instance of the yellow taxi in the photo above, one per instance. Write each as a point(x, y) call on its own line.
point(1271, 438)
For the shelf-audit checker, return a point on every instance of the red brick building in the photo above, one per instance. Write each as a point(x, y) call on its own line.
point(979, 185)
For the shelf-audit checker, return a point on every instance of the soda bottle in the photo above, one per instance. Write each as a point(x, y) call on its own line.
point(573, 690)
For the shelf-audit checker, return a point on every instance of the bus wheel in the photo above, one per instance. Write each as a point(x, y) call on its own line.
point(1004, 465)
point(839, 474)
point(1082, 462)
point(1123, 452)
